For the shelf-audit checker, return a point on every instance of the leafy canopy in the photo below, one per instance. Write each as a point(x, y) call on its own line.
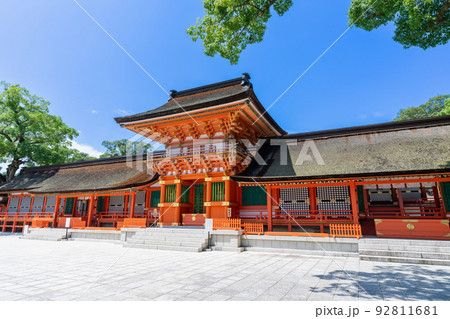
point(230, 25)
point(436, 106)
point(29, 134)
point(421, 23)
point(124, 147)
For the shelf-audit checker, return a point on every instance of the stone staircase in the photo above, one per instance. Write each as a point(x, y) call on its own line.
point(46, 234)
point(193, 240)
point(412, 251)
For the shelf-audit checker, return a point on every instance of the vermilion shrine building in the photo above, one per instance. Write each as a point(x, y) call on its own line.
point(226, 157)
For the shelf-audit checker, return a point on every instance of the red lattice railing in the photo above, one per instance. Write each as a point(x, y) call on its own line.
point(227, 223)
point(253, 228)
point(345, 230)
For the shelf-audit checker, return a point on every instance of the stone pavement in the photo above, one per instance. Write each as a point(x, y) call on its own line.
point(50, 270)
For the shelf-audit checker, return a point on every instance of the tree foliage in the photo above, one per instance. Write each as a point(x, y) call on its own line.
point(230, 25)
point(29, 135)
point(436, 106)
point(124, 147)
point(421, 23)
point(446, 109)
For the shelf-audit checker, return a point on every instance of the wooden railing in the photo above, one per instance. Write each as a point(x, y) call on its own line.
point(416, 211)
point(253, 228)
point(345, 230)
point(78, 224)
point(40, 222)
point(227, 223)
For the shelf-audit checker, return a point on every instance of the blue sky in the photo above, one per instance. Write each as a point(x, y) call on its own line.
point(53, 49)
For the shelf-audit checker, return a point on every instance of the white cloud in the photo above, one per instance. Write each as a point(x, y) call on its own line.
point(94, 112)
point(377, 114)
point(88, 149)
point(121, 112)
point(3, 167)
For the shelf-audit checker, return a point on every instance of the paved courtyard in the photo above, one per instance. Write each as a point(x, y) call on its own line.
point(75, 270)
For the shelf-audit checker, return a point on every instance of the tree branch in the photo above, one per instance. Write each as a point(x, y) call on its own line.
point(260, 13)
point(439, 16)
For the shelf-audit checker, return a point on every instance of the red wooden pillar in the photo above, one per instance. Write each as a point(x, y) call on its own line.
point(313, 201)
point(125, 206)
point(177, 204)
point(56, 212)
point(90, 211)
point(400, 201)
point(366, 201)
point(228, 189)
point(162, 200)
point(354, 202)
point(208, 198)
point(31, 206)
point(269, 208)
point(133, 204)
point(44, 206)
point(18, 206)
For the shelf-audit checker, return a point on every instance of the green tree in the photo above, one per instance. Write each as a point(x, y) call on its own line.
point(124, 147)
point(446, 109)
point(230, 25)
point(435, 106)
point(421, 23)
point(29, 135)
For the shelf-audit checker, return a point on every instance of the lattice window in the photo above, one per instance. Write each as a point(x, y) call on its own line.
point(294, 201)
point(140, 201)
point(116, 203)
point(254, 196)
point(38, 204)
point(155, 198)
point(100, 203)
point(380, 195)
point(445, 187)
point(334, 200)
point(13, 204)
point(50, 204)
point(218, 191)
point(25, 204)
point(199, 190)
point(185, 194)
point(68, 208)
point(171, 193)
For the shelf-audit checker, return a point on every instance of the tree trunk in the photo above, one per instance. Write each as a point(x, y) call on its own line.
point(12, 169)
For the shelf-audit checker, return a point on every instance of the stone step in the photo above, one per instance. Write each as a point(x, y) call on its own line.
point(405, 242)
point(404, 248)
point(167, 235)
point(173, 230)
point(405, 254)
point(303, 252)
point(165, 247)
point(405, 260)
point(168, 243)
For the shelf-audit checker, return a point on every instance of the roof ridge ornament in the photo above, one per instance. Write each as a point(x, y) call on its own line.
point(172, 94)
point(245, 79)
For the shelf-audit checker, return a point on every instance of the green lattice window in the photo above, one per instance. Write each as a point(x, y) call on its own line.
point(155, 197)
point(218, 191)
point(254, 196)
point(199, 190)
point(360, 190)
point(445, 187)
point(171, 193)
point(100, 203)
point(68, 209)
point(184, 194)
